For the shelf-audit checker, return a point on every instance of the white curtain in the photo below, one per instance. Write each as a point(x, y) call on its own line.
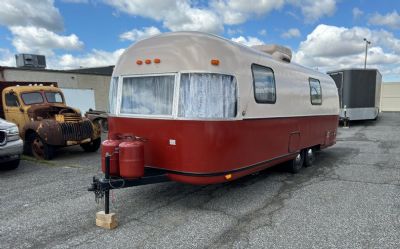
point(112, 95)
point(206, 95)
point(150, 95)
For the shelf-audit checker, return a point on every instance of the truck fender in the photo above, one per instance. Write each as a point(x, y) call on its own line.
point(48, 130)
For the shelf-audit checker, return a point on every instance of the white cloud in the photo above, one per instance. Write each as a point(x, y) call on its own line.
point(31, 13)
point(331, 47)
point(262, 32)
point(175, 15)
point(249, 41)
point(313, 10)
point(6, 58)
point(357, 13)
point(291, 33)
point(75, 1)
point(391, 20)
point(137, 34)
point(238, 11)
point(40, 40)
point(95, 58)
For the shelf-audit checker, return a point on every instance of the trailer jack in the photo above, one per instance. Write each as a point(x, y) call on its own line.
point(102, 186)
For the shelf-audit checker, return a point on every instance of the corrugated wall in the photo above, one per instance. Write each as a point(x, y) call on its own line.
point(390, 97)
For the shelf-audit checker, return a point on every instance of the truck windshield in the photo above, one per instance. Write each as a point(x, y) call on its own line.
point(207, 95)
point(32, 98)
point(54, 97)
point(148, 95)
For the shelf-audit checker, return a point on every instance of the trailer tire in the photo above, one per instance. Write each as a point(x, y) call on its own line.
point(309, 157)
point(294, 166)
point(92, 146)
point(39, 148)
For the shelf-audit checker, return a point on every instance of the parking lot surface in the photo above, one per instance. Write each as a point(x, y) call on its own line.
point(350, 198)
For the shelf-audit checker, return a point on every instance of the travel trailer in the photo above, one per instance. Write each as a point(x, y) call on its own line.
point(199, 109)
point(359, 93)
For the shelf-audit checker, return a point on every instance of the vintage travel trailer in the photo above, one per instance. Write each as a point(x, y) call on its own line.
point(211, 110)
point(197, 108)
point(359, 93)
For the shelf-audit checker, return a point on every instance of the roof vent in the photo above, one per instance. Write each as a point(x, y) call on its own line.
point(276, 51)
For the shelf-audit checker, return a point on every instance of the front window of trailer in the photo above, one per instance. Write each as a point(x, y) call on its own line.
point(54, 97)
point(148, 95)
point(207, 95)
point(32, 98)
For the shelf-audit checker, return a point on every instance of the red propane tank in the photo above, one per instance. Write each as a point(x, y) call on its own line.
point(111, 147)
point(131, 159)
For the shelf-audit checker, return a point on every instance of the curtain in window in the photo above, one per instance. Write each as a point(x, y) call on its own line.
point(205, 95)
point(112, 95)
point(150, 95)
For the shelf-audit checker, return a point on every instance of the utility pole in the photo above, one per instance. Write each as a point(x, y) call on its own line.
point(366, 52)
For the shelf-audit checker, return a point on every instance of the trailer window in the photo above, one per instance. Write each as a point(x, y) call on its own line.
point(207, 95)
point(149, 95)
point(32, 98)
point(112, 95)
point(264, 84)
point(315, 91)
point(11, 100)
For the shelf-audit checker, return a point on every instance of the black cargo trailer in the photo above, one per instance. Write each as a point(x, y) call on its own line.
point(359, 92)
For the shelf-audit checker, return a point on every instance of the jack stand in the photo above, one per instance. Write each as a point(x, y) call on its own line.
point(346, 123)
point(104, 218)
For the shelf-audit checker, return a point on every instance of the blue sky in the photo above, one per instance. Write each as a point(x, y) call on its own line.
point(325, 35)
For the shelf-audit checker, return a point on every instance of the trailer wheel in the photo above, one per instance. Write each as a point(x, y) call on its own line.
point(92, 146)
point(40, 149)
point(296, 164)
point(309, 157)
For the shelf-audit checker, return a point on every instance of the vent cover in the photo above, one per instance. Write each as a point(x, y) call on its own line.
point(276, 51)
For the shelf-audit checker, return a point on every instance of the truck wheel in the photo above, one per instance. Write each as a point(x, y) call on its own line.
point(92, 146)
point(296, 164)
point(309, 157)
point(40, 149)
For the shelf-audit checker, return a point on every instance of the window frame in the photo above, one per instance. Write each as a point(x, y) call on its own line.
point(16, 96)
point(254, 84)
point(62, 97)
point(41, 94)
point(200, 118)
point(320, 87)
point(119, 96)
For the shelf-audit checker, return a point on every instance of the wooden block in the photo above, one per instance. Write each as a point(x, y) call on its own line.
point(108, 221)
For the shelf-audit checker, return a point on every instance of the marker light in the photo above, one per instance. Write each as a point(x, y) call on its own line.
point(228, 176)
point(156, 60)
point(139, 62)
point(215, 62)
point(148, 61)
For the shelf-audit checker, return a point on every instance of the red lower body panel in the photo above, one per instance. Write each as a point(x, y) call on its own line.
point(205, 152)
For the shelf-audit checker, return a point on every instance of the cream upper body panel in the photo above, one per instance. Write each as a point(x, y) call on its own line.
point(193, 51)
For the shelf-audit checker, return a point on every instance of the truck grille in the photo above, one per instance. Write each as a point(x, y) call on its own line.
point(76, 131)
point(71, 117)
point(3, 138)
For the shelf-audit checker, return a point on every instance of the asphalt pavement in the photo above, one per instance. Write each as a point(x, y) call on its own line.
point(350, 198)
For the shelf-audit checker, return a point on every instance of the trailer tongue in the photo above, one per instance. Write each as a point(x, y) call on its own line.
point(127, 157)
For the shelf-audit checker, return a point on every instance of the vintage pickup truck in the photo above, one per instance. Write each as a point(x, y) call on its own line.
point(44, 120)
point(11, 145)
